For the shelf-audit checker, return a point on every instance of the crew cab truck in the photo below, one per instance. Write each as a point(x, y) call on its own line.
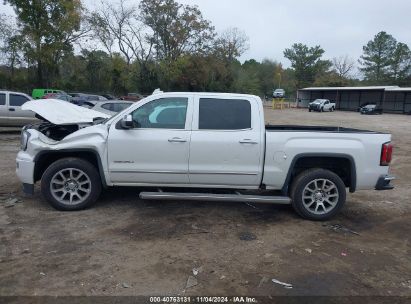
point(198, 146)
point(321, 105)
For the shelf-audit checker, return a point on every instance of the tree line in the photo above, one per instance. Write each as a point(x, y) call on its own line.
point(126, 47)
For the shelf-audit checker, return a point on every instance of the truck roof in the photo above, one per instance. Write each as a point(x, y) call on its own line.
point(211, 94)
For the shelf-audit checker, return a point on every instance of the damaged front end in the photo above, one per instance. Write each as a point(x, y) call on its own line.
point(66, 131)
point(52, 131)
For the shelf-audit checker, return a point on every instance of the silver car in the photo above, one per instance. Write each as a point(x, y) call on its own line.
point(110, 107)
point(11, 114)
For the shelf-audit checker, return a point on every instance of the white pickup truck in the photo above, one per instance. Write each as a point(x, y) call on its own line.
point(321, 105)
point(198, 146)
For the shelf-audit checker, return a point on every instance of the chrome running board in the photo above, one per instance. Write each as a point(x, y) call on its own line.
point(283, 200)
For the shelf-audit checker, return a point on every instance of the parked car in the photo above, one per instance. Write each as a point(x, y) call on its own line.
point(110, 107)
point(279, 93)
point(371, 109)
point(221, 142)
point(321, 105)
point(80, 99)
point(40, 93)
point(109, 96)
point(60, 96)
point(132, 97)
point(49, 96)
point(11, 113)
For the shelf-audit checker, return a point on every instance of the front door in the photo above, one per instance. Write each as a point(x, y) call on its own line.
point(156, 150)
point(226, 143)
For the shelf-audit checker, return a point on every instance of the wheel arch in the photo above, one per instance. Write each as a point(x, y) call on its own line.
point(305, 161)
point(45, 158)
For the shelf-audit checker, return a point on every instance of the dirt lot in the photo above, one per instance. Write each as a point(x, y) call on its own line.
point(124, 246)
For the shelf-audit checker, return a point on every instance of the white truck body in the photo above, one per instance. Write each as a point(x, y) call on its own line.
point(321, 105)
point(193, 156)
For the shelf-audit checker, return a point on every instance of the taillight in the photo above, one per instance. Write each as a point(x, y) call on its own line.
point(386, 154)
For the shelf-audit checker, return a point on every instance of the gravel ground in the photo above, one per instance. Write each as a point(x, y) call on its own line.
point(125, 246)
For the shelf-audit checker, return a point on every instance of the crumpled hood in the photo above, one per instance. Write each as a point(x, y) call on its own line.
point(61, 112)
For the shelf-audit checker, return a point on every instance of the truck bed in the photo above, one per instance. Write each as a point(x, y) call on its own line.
point(300, 128)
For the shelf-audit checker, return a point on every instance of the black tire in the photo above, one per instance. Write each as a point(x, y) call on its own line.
point(309, 110)
point(90, 171)
point(303, 180)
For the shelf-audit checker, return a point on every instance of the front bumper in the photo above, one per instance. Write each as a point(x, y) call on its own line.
point(384, 182)
point(25, 171)
point(314, 108)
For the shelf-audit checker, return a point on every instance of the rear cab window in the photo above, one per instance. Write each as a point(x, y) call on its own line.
point(224, 114)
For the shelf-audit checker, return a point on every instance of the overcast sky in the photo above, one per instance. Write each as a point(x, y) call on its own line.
point(341, 27)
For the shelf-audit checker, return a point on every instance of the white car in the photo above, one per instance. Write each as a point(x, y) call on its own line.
point(214, 142)
point(11, 113)
point(278, 93)
point(110, 107)
point(321, 105)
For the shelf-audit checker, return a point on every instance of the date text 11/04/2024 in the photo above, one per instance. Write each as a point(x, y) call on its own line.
point(203, 299)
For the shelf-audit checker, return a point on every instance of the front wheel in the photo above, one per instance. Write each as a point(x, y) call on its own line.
point(318, 194)
point(71, 184)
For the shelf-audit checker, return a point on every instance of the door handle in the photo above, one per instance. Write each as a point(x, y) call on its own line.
point(248, 141)
point(12, 109)
point(177, 139)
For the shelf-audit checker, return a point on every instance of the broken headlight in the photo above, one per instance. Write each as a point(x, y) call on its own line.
point(24, 138)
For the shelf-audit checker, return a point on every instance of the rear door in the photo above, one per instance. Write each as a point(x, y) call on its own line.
point(17, 116)
point(226, 143)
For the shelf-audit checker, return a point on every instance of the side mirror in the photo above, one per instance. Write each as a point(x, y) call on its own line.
point(126, 122)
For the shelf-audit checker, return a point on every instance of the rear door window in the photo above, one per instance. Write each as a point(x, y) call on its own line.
point(224, 114)
point(17, 100)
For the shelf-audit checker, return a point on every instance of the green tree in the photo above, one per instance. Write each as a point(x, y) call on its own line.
point(231, 44)
point(178, 30)
point(306, 63)
point(48, 27)
point(400, 67)
point(377, 58)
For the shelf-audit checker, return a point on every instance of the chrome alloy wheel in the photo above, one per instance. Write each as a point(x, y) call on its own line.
point(320, 196)
point(70, 186)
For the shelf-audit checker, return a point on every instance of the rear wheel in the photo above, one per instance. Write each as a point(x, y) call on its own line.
point(318, 194)
point(71, 184)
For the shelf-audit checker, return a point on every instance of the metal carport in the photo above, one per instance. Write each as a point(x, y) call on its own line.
point(346, 98)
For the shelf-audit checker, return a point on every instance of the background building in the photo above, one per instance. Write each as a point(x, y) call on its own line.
point(393, 99)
